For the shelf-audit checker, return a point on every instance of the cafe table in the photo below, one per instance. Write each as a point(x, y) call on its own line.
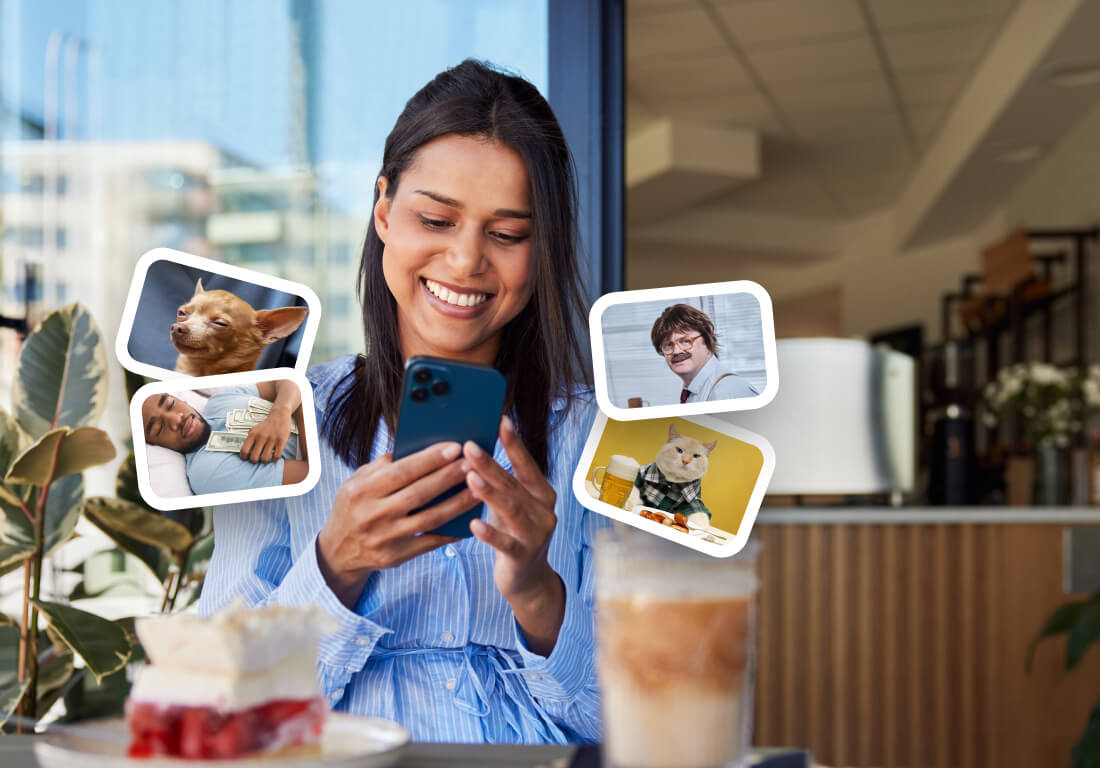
point(18, 752)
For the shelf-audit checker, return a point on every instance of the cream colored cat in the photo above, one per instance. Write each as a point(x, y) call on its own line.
point(674, 481)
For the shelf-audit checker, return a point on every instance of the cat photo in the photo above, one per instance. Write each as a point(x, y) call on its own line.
point(673, 481)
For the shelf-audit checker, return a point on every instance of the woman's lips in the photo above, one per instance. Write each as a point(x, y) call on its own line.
point(454, 310)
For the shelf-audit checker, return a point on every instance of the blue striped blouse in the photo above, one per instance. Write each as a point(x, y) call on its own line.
point(431, 644)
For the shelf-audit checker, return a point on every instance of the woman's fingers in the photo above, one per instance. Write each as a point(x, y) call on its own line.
point(412, 546)
point(434, 516)
point(384, 476)
point(497, 539)
point(527, 471)
point(508, 506)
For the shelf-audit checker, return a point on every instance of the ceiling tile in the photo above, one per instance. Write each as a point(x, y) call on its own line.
point(932, 86)
point(847, 125)
point(926, 120)
point(932, 48)
point(864, 93)
point(891, 14)
point(814, 62)
point(739, 108)
point(787, 21)
point(681, 30)
point(799, 195)
point(704, 72)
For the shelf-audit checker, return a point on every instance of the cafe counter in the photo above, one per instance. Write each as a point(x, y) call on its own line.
point(899, 636)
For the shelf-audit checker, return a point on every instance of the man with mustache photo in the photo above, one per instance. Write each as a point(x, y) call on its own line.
point(685, 337)
point(268, 455)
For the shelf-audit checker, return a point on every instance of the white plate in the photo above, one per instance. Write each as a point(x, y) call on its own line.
point(346, 741)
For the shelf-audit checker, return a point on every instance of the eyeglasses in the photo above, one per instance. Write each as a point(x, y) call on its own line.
point(684, 343)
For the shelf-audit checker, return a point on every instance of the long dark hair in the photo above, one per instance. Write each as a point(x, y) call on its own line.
point(539, 354)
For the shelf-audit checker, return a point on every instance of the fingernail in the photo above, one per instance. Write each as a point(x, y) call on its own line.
point(507, 424)
point(474, 479)
point(464, 466)
point(475, 450)
point(451, 451)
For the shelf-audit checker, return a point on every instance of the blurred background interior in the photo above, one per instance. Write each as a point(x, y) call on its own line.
point(916, 184)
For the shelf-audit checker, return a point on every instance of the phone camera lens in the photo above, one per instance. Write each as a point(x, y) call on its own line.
point(440, 388)
point(422, 375)
point(419, 394)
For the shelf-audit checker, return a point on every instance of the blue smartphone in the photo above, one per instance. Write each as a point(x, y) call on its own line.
point(442, 401)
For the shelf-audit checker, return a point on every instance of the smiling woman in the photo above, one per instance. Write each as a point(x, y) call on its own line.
point(469, 256)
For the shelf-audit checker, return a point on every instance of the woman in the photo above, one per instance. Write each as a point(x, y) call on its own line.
point(469, 256)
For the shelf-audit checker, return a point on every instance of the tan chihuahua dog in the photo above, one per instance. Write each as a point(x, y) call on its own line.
point(216, 332)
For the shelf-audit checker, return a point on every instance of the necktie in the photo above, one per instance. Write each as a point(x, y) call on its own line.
point(684, 395)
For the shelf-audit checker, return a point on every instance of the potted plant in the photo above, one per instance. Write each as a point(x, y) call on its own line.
point(1051, 405)
point(1079, 621)
point(59, 394)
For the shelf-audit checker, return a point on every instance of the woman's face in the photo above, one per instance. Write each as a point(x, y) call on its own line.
point(457, 256)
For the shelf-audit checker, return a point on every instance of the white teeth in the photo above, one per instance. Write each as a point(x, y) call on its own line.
point(451, 297)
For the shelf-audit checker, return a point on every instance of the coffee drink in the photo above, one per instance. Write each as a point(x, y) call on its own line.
point(676, 654)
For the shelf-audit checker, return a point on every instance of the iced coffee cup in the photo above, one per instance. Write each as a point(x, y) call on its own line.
point(676, 637)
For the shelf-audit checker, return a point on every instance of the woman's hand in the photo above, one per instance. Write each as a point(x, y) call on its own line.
point(370, 526)
point(523, 521)
point(267, 440)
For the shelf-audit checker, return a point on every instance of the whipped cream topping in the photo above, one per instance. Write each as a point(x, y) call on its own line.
point(236, 642)
point(293, 678)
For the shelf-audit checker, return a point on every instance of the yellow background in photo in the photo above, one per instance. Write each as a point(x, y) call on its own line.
point(731, 475)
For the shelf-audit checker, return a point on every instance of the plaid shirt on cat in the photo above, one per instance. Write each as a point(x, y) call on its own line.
point(659, 492)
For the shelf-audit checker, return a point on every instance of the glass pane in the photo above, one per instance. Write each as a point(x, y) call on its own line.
point(246, 130)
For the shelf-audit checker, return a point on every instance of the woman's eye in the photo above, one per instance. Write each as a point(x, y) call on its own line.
point(509, 239)
point(431, 223)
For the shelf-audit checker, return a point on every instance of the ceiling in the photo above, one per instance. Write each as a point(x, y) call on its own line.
point(847, 94)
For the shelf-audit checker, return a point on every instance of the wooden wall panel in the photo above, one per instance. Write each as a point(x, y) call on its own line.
point(904, 645)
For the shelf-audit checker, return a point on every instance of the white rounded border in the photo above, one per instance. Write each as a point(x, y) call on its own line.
point(599, 363)
point(740, 537)
point(129, 312)
point(141, 459)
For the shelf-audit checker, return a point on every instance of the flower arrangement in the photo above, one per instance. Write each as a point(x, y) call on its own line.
point(1051, 403)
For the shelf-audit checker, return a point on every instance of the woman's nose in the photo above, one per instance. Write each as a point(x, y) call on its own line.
point(465, 256)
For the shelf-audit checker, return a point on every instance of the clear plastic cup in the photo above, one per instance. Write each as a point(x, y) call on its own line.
point(676, 631)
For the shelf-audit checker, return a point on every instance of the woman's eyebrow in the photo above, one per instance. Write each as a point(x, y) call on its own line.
point(504, 213)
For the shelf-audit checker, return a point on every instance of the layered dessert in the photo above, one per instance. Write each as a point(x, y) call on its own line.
point(238, 683)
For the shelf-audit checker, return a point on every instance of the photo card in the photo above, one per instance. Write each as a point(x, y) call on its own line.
point(697, 480)
point(225, 439)
point(190, 316)
point(684, 350)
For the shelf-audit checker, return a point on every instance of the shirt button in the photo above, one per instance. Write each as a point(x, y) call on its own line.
point(449, 551)
point(451, 683)
point(446, 636)
point(335, 695)
point(362, 640)
point(534, 676)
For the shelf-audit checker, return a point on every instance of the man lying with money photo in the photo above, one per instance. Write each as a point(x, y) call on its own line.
point(245, 437)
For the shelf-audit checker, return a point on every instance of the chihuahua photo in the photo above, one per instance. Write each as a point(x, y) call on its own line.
point(218, 332)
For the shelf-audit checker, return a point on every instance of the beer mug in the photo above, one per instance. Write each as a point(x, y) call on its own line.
point(618, 479)
point(637, 402)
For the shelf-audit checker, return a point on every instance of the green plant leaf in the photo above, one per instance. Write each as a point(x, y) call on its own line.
point(79, 449)
point(1084, 632)
point(102, 644)
point(10, 696)
point(63, 507)
point(15, 528)
point(200, 553)
point(12, 557)
point(34, 465)
point(11, 441)
point(1087, 752)
point(1058, 623)
point(137, 522)
point(126, 484)
point(62, 375)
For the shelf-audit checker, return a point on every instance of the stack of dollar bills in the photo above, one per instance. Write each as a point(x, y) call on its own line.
point(238, 422)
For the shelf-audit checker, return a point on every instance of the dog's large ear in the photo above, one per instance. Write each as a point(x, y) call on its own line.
point(198, 287)
point(274, 324)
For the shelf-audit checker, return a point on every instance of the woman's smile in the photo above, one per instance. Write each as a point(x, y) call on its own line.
point(454, 300)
